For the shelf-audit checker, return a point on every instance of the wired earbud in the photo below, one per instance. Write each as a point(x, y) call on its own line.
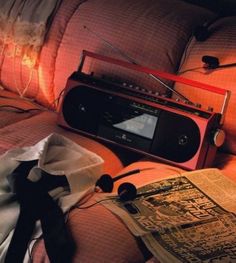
point(126, 191)
point(106, 182)
point(202, 32)
point(212, 62)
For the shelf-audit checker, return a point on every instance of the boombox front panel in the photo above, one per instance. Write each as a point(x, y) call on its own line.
point(177, 137)
point(173, 137)
point(82, 109)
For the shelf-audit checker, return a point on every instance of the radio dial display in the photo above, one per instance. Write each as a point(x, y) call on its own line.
point(143, 125)
point(129, 118)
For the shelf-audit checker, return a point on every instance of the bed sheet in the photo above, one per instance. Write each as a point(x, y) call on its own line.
point(14, 109)
point(101, 236)
point(29, 131)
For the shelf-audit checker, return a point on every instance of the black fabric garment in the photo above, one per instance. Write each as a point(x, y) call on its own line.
point(36, 203)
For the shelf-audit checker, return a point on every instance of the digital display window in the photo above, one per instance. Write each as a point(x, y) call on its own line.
point(143, 125)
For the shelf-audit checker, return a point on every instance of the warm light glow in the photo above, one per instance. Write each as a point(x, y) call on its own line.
point(30, 59)
point(42, 82)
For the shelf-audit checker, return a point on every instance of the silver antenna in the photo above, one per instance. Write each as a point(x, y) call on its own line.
point(131, 60)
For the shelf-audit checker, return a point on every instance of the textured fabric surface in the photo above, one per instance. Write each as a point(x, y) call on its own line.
point(100, 236)
point(221, 44)
point(22, 109)
point(39, 81)
point(227, 164)
point(30, 131)
point(111, 241)
point(153, 33)
point(96, 241)
point(23, 28)
point(33, 177)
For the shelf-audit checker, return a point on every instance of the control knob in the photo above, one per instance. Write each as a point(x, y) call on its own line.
point(218, 137)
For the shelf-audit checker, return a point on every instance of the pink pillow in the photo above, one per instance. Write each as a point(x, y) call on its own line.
point(221, 44)
point(154, 33)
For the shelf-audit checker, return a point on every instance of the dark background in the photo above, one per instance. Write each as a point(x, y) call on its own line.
point(223, 7)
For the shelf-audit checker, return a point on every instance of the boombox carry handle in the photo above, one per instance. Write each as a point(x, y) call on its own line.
point(161, 74)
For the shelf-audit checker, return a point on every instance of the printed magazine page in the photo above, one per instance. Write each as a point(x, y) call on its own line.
point(184, 218)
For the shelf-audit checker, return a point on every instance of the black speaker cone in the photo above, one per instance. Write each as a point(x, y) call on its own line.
point(81, 108)
point(177, 138)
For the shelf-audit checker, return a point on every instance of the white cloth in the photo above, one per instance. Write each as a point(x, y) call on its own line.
point(24, 24)
point(56, 155)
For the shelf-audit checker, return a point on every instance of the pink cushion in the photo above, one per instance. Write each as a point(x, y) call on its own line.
point(222, 44)
point(227, 163)
point(29, 131)
point(100, 236)
point(40, 81)
point(152, 32)
point(8, 114)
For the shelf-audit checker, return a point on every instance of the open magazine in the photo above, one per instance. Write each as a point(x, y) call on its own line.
point(192, 220)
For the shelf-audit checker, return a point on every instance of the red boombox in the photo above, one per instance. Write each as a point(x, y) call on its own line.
point(176, 132)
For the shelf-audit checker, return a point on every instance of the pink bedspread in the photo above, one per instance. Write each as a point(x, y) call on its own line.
point(145, 31)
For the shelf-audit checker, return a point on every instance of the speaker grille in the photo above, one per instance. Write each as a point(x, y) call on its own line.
point(82, 108)
point(177, 138)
